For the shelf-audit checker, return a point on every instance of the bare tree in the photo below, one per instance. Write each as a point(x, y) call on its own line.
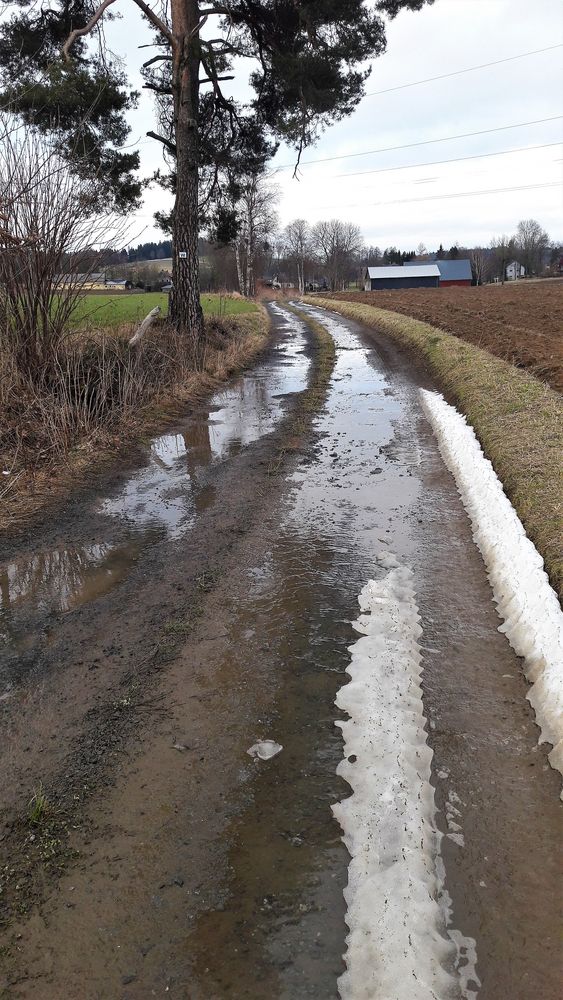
point(258, 225)
point(478, 260)
point(530, 244)
point(49, 247)
point(503, 253)
point(371, 256)
point(337, 244)
point(297, 237)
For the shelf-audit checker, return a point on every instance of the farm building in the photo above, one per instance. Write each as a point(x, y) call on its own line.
point(416, 276)
point(455, 272)
point(515, 271)
point(96, 279)
point(452, 272)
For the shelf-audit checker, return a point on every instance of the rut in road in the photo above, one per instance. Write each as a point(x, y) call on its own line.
point(210, 874)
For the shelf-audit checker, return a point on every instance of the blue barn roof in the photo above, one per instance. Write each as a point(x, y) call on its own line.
point(455, 270)
point(450, 270)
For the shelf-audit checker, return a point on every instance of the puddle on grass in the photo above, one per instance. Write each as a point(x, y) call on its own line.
point(161, 500)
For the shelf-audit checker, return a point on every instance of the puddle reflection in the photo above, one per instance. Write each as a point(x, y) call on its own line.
point(163, 498)
point(287, 866)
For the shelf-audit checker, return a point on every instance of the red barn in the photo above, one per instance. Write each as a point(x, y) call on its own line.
point(455, 272)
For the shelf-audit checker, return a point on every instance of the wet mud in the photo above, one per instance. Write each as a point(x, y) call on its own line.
point(194, 869)
point(159, 501)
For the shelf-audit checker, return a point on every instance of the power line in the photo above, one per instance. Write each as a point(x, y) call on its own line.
point(424, 142)
point(458, 72)
point(434, 163)
point(441, 197)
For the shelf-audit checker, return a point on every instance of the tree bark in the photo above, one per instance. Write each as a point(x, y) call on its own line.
point(250, 262)
point(185, 306)
point(240, 273)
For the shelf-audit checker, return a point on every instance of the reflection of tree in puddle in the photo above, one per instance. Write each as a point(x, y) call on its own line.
point(246, 413)
point(283, 923)
point(198, 444)
point(64, 578)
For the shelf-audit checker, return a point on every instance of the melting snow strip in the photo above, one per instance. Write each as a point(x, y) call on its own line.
point(528, 605)
point(398, 945)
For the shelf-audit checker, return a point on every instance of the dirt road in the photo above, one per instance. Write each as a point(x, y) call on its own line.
point(203, 602)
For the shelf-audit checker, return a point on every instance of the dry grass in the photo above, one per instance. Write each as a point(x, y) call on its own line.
point(517, 418)
point(100, 398)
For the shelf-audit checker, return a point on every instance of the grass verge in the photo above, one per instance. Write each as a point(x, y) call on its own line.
point(104, 309)
point(518, 419)
point(102, 399)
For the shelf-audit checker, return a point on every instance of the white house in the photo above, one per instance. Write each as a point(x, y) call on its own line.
point(515, 271)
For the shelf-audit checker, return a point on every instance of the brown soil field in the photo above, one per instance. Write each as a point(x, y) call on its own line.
point(520, 323)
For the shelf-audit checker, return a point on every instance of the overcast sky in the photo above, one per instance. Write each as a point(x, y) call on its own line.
point(410, 205)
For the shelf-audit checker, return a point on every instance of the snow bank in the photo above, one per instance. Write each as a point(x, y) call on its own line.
point(397, 945)
point(533, 621)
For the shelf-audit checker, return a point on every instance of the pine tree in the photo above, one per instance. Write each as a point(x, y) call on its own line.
point(307, 69)
point(82, 103)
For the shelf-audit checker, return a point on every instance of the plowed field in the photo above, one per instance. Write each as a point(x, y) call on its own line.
point(521, 323)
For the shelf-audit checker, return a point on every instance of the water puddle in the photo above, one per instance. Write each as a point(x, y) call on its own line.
point(161, 500)
point(348, 501)
point(373, 484)
point(62, 579)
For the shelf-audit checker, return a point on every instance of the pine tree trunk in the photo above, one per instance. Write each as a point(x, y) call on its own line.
point(185, 306)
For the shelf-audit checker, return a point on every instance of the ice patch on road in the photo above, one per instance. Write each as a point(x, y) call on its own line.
point(398, 945)
point(265, 749)
point(532, 617)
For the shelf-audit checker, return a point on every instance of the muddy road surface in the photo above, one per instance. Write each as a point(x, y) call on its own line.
point(203, 603)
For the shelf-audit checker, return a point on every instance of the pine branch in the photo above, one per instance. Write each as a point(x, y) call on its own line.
point(211, 79)
point(78, 32)
point(158, 90)
point(155, 21)
point(170, 146)
point(154, 59)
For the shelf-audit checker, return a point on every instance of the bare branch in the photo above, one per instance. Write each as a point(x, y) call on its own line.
point(155, 59)
point(210, 79)
point(215, 183)
point(148, 321)
point(167, 91)
point(78, 32)
point(170, 146)
point(199, 26)
point(155, 21)
point(207, 61)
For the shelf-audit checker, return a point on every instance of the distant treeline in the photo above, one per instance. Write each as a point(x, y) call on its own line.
point(149, 251)
point(391, 255)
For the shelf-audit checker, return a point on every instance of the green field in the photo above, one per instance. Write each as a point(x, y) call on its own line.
point(112, 310)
